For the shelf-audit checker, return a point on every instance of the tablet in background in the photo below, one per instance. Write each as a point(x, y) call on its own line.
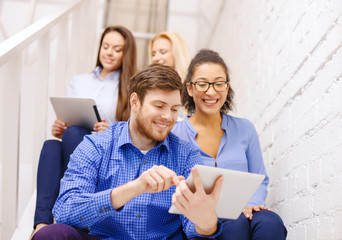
point(76, 111)
point(237, 189)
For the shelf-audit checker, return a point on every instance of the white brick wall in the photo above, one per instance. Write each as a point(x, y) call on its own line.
point(285, 58)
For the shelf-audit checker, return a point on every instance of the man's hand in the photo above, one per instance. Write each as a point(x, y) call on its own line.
point(58, 128)
point(248, 211)
point(157, 179)
point(199, 207)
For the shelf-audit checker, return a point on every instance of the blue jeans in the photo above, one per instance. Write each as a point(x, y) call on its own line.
point(53, 162)
point(265, 225)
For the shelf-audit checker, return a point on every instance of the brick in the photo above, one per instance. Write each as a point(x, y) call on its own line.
point(325, 197)
point(301, 208)
point(335, 7)
point(299, 232)
point(302, 179)
point(301, 153)
point(315, 174)
point(312, 230)
point(338, 158)
point(282, 191)
point(328, 167)
point(325, 229)
point(337, 221)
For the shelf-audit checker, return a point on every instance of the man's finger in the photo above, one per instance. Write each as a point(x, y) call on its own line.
point(175, 202)
point(159, 180)
point(217, 188)
point(166, 176)
point(184, 190)
point(171, 176)
point(180, 197)
point(150, 181)
point(197, 180)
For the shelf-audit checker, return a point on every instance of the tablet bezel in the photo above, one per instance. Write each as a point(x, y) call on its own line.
point(237, 189)
point(75, 111)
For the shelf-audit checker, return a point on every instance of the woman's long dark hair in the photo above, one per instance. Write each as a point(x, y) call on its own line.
point(128, 69)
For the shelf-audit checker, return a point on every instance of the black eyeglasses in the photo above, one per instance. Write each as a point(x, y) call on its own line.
point(204, 86)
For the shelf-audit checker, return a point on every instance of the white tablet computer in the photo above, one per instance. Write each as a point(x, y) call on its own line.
point(237, 189)
point(76, 111)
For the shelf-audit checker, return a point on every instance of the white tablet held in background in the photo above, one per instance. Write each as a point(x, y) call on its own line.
point(237, 189)
point(76, 111)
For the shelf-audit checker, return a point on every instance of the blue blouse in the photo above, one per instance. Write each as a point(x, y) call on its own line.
point(239, 149)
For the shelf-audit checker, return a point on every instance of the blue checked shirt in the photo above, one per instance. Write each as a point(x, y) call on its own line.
point(106, 160)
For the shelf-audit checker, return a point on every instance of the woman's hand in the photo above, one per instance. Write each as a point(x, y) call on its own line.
point(58, 128)
point(248, 211)
point(101, 126)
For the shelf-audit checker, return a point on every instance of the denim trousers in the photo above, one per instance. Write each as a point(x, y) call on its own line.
point(53, 161)
point(265, 225)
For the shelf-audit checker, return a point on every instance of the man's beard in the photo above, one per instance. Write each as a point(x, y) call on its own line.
point(145, 129)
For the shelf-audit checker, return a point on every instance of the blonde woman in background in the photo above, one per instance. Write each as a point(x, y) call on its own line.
point(170, 49)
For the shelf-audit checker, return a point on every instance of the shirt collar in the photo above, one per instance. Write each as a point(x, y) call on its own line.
point(111, 76)
point(125, 138)
point(193, 131)
point(224, 124)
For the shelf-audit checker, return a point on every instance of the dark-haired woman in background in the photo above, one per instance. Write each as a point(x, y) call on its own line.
point(226, 142)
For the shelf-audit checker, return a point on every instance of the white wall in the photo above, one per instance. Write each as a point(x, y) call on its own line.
point(16, 14)
point(182, 18)
point(285, 60)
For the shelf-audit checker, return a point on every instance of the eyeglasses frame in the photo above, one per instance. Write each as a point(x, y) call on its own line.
point(209, 84)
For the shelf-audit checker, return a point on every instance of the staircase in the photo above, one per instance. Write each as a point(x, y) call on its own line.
point(36, 63)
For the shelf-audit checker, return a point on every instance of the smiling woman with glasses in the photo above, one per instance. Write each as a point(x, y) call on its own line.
point(226, 142)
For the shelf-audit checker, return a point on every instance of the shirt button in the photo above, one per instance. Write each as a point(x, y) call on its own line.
point(81, 219)
point(139, 215)
point(145, 162)
point(108, 208)
point(105, 209)
point(101, 211)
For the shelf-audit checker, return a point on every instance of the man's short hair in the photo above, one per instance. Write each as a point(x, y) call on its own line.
point(154, 76)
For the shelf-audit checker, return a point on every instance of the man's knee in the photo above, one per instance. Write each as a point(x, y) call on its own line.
point(56, 231)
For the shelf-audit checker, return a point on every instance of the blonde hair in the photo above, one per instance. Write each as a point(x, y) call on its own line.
point(180, 51)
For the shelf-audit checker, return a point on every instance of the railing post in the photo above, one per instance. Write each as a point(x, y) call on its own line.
point(10, 138)
point(36, 59)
